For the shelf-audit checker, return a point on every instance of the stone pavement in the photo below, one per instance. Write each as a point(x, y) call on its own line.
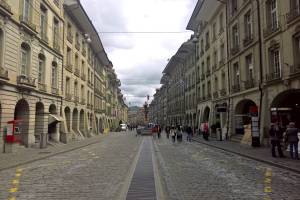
point(262, 154)
point(97, 171)
point(22, 155)
point(195, 171)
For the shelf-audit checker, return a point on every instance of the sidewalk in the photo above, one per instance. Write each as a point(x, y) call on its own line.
point(27, 155)
point(261, 154)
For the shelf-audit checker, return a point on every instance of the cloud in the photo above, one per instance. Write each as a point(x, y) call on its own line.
point(139, 58)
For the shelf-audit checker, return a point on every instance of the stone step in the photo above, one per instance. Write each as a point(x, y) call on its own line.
point(236, 138)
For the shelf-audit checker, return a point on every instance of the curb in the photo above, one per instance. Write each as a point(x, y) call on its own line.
point(251, 157)
point(48, 156)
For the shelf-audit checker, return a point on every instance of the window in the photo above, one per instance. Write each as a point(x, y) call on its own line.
point(76, 61)
point(222, 52)
point(233, 7)
point(208, 88)
point(207, 39)
point(26, 10)
point(235, 36)
point(215, 59)
point(67, 86)
point(56, 33)
point(41, 68)
point(82, 67)
point(208, 64)
point(223, 81)
point(75, 89)
point(273, 13)
point(43, 22)
point(54, 75)
point(297, 50)
point(249, 67)
point(236, 74)
point(275, 62)
point(82, 91)
point(216, 84)
point(221, 23)
point(69, 56)
point(25, 59)
point(214, 31)
point(248, 25)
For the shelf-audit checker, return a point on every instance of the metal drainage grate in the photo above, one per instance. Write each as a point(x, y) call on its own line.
point(143, 184)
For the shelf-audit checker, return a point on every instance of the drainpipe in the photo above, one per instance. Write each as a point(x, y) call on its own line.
point(228, 71)
point(260, 65)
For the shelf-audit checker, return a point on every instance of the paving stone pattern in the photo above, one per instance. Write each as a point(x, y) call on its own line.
point(193, 171)
point(97, 172)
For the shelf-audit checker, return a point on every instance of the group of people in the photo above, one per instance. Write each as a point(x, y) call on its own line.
point(289, 137)
point(176, 133)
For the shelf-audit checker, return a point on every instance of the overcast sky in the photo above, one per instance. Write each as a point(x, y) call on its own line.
point(139, 58)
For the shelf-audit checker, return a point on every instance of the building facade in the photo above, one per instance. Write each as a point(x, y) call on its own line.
point(53, 66)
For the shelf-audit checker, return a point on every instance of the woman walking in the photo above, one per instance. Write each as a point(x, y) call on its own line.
point(292, 139)
point(173, 134)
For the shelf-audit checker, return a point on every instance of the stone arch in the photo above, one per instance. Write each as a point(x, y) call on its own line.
point(206, 114)
point(285, 108)
point(243, 112)
point(81, 121)
point(39, 121)
point(68, 118)
point(75, 120)
point(22, 113)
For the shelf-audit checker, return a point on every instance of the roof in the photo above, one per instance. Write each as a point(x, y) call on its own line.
point(185, 49)
point(78, 14)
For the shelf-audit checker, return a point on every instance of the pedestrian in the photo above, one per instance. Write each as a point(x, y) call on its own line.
point(292, 139)
point(205, 131)
point(168, 129)
point(276, 136)
point(179, 134)
point(173, 134)
point(158, 131)
point(189, 134)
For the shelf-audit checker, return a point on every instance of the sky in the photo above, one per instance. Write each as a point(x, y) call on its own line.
point(139, 36)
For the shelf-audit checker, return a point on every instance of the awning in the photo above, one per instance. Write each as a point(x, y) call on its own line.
point(54, 119)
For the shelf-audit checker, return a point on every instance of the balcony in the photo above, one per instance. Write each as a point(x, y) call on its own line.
point(207, 46)
point(89, 106)
point(69, 67)
point(76, 99)
point(27, 24)
point(236, 88)
point(54, 91)
point(56, 46)
point(44, 38)
point(26, 82)
point(221, 62)
point(221, 30)
point(83, 77)
point(293, 14)
point(273, 76)
point(68, 97)
point(249, 84)
point(3, 74)
point(234, 50)
point(248, 40)
point(83, 52)
point(77, 45)
point(208, 73)
point(42, 87)
point(294, 70)
point(270, 30)
point(223, 92)
point(77, 72)
point(5, 8)
point(82, 101)
point(216, 94)
point(70, 37)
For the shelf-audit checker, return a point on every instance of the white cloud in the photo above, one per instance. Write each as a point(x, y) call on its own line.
point(140, 58)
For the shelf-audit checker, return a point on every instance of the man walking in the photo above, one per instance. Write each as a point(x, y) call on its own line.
point(292, 139)
point(189, 134)
point(276, 136)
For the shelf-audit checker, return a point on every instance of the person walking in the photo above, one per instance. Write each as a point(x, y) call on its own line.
point(179, 134)
point(276, 136)
point(292, 139)
point(158, 131)
point(205, 131)
point(173, 134)
point(189, 134)
point(168, 132)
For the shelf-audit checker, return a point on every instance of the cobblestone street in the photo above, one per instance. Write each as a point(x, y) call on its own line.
point(98, 171)
point(196, 171)
point(182, 171)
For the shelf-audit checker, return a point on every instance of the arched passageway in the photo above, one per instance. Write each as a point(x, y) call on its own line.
point(52, 124)
point(81, 121)
point(22, 113)
point(206, 114)
point(39, 122)
point(68, 118)
point(75, 120)
point(244, 110)
point(286, 108)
